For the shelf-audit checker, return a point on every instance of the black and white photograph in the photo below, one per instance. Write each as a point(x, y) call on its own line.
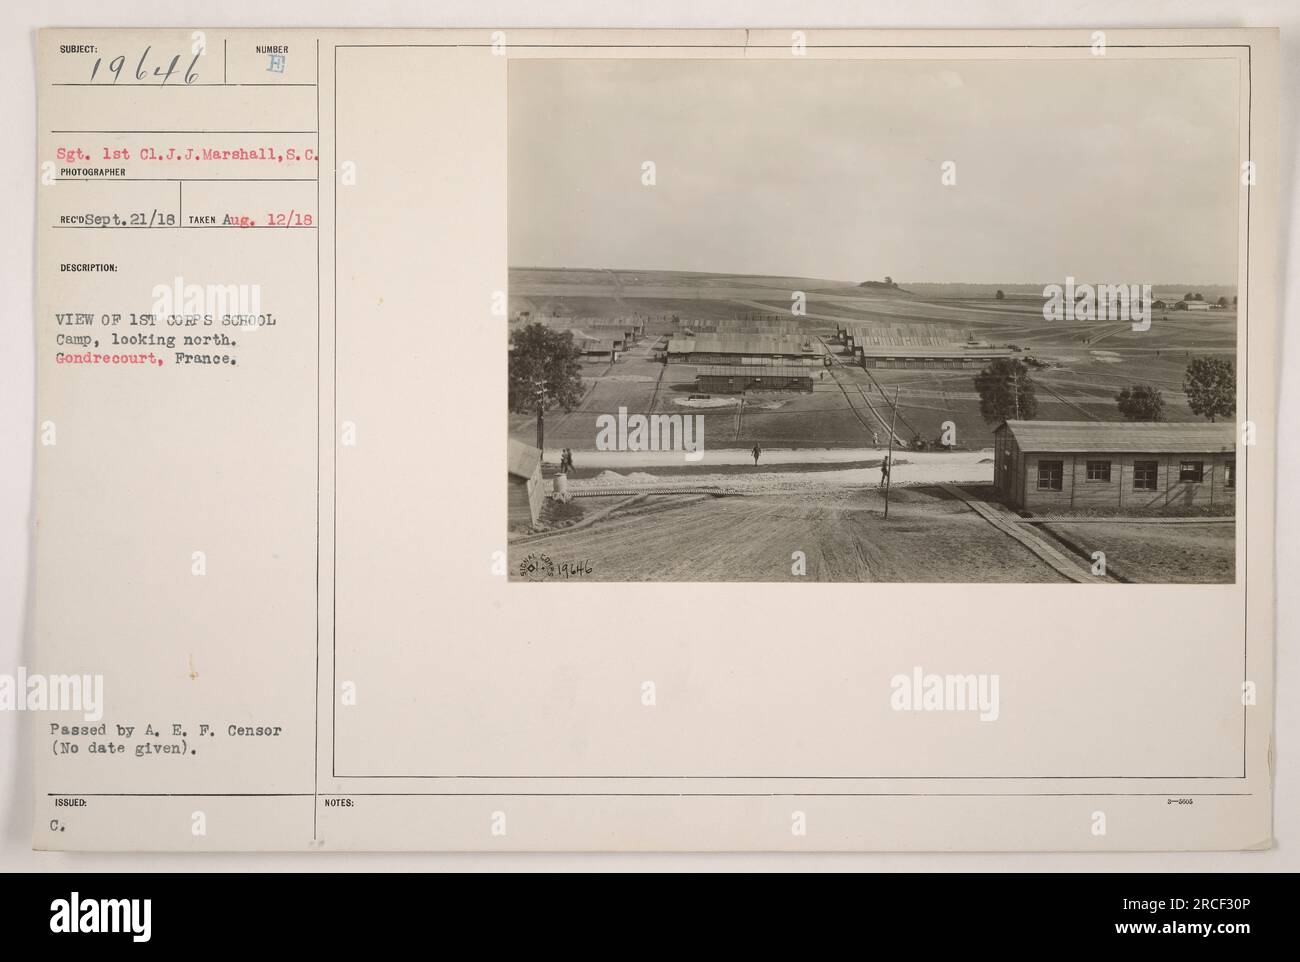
point(893, 320)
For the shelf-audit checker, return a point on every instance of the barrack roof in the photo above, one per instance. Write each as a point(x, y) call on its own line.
point(1136, 437)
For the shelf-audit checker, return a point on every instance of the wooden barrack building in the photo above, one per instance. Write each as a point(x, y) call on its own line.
point(739, 378)
point(1124, 466)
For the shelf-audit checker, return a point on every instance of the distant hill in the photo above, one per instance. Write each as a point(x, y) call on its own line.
point(885, 285)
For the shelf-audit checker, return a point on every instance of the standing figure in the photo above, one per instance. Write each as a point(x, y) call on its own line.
point(756, 452)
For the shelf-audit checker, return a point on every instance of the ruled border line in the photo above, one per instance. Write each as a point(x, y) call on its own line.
point(1245, 320)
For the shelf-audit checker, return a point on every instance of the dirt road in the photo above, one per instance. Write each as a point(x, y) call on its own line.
point(929, 537)
point(735, 469)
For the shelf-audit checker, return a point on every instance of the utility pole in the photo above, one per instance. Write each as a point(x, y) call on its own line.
point(541, 420)
point(889, 458)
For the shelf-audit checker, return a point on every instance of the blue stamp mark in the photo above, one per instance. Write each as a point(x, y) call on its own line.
point(277, 63)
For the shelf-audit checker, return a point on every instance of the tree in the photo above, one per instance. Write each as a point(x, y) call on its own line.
point(1006, 390)
point(545, 370)
point(1223, 302)
point(1000, 295)
point(1141, 402)
point(1200, 296)
point(1189, 296)
point(1211, 387)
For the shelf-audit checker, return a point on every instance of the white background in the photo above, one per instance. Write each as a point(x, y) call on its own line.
point(18, 173)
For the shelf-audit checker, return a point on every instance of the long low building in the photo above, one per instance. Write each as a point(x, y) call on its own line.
point(925, 358)
point(1125, 466)
point(738, 378)
point(917, 346)
point(766, 349)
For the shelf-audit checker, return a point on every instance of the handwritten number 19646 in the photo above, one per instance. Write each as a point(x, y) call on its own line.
point(142, 71)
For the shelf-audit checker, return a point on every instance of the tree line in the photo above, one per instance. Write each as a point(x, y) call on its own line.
point(1007, 391)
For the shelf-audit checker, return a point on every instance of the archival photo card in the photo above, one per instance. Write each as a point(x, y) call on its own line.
point(965, 337)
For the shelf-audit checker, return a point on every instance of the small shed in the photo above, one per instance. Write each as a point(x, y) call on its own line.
point(600, 349)
point(1124, 466)
point(524, 474)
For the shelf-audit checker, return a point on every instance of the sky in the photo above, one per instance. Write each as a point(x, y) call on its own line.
point(1103, 169)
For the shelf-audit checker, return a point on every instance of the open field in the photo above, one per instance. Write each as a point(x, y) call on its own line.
point(1086, 362)
point(1157, 554)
